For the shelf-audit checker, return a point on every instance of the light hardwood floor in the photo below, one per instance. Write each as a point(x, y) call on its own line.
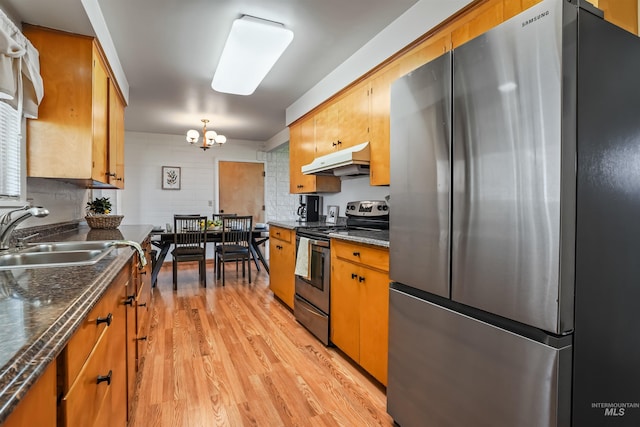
point(235, 356)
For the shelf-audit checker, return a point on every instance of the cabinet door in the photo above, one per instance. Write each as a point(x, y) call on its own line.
point(281, 277)
point(353, 117)
point(59, 141)
point(301, 152)
point(345, 307)
point(116, 137)
point(327, 129)
point(374, 322)
point(100, 164)
point(38, 407)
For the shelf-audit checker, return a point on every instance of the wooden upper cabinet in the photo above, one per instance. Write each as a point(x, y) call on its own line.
point(73, 135)
point(116, 137)
point(100, 107)
point(302, 151)
point(344, 122)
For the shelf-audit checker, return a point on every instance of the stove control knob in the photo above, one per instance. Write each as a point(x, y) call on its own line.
point(385, 208)
point(379, 207)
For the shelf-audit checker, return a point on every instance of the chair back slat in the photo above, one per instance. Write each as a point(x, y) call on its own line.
point(189, 231)
point(236, 230)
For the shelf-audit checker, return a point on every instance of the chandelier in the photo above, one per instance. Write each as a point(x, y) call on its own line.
point(209, 137)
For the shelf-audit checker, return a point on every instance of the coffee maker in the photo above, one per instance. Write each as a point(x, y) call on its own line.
point(309, 208)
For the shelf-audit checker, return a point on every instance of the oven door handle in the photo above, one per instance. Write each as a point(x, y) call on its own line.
point(314, 242)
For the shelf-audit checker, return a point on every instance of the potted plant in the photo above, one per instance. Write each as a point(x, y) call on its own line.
point(98, 211)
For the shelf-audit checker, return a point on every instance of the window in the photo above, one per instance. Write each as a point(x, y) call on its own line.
point(10, 150)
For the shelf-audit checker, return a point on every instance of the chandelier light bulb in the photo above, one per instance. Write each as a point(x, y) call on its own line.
point(192, 136)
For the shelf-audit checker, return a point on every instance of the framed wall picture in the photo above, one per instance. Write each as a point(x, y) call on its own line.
point(170, 178)
point(332, 214)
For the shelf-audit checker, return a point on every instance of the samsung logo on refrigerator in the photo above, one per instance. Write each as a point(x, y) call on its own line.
point(535, 18)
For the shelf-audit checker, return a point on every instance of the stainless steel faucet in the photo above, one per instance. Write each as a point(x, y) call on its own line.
point(8, 222)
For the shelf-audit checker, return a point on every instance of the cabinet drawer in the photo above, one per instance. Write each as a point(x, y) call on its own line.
point(85, 338)
point(86, 396)
point(360, 254)
point(281, 234)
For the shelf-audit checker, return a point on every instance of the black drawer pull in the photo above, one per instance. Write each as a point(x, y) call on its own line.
point(129, 300)
point(144, 304)
point(103, 378)
point(106, 320)
point(354, 275)
point(144, 338)
point(356, 254)
point(143, 272)
point(360, 279)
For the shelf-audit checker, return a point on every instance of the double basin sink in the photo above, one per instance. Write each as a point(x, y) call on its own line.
point(57, 254)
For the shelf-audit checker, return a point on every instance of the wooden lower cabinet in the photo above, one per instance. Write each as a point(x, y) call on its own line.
point(138, 303)
point(93, 364)
point(282, 262)
point(38, 407)
point(360, 304)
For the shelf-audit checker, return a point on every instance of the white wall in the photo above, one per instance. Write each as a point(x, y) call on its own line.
point(143, 201)
point(280, 205)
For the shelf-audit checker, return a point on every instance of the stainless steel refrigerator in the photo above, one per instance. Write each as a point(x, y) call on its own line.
point(515, 233)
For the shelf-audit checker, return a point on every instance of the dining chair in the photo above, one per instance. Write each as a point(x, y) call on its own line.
point(190, 244)
point(235, 244)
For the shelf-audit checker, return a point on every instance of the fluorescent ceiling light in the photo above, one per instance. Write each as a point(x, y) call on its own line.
point(253, 47)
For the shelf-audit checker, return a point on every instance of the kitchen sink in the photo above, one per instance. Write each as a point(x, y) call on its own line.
point(67, 246)
point(56, 255)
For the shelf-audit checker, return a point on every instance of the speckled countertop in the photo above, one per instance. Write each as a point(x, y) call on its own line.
point(369, 237)
point(41, 308)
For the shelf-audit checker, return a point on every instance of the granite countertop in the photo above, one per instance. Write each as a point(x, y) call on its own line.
point(41, 308)
point(369, 237)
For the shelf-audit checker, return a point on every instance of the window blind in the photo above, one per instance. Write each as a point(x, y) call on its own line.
point(9, 153)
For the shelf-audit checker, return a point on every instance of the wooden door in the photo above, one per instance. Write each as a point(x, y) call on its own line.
point(241, 189)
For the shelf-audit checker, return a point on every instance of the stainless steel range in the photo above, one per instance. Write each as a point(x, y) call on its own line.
point(313, 280)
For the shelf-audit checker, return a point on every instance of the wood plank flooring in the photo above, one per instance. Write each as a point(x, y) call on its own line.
point(235, 356)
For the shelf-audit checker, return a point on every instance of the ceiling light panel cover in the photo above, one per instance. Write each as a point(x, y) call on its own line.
point(253, 47)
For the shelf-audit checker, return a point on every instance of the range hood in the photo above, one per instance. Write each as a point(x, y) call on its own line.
point(347, 162)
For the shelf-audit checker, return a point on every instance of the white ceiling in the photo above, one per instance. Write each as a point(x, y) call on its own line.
point(169, 50)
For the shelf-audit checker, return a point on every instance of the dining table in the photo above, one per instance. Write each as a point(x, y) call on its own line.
point(163, 240)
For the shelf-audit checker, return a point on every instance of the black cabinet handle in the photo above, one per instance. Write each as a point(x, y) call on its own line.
point(356, 254)
point(360, 279)
point(144, 304)
point(144, 338)
point(354, 275)
point(103, 378)
point(143, 272)
point(129, 300)
point(106, 320)
point(111, 174)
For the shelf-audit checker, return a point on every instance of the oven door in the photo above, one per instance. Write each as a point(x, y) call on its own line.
point(315, 289)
